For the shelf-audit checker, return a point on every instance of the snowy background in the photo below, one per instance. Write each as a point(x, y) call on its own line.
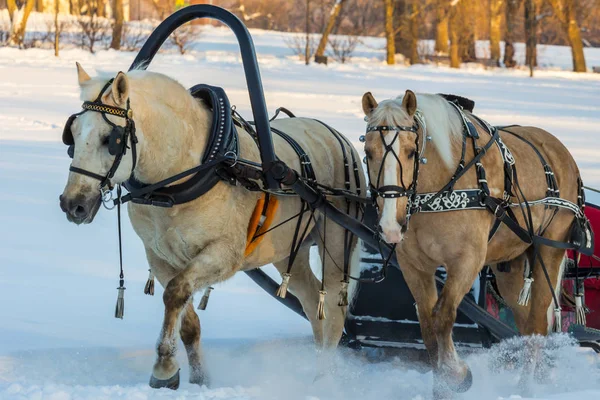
point(58, 337)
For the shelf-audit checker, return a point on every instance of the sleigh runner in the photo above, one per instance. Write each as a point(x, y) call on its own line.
point(270, 172)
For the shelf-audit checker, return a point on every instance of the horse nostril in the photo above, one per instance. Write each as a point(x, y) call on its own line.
point(79, 211)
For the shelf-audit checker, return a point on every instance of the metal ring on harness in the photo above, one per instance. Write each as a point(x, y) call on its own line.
point(235, 157)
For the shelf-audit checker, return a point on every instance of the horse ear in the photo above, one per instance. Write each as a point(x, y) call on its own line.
point(120, 89)
point(82, 76)
point(369, 103)
point(409, 102)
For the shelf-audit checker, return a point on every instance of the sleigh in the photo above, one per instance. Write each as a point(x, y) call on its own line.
point(383, 313)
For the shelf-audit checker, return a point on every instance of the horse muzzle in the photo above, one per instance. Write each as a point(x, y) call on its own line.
point(80, 209)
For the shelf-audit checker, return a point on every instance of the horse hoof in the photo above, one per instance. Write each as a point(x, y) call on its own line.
point(171, 383)
point(465, 384)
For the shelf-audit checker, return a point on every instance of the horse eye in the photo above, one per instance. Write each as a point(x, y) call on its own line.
point(412, 154)
point(368, 154)
point(105, 140)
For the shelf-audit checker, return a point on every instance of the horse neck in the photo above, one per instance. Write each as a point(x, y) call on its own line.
point(170, 142)
point(435, 174)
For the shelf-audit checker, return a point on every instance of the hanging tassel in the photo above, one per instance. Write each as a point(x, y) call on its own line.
point(557, 320)
point(343, 301)
point(321, 306)
point(149, 288)
point(282, 291)
point(204, 299)
point(525, 293)
point(120, 307)
point(580, 317)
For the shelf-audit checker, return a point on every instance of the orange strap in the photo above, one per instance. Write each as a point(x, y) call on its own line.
point(254, 232)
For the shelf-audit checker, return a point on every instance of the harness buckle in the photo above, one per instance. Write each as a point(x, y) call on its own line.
point(501, 215)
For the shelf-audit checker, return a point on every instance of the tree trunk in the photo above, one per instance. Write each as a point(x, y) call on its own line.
point(101, 8)
point(307, 49)
point(530, 34)
point(453, 27)
point(117, 7)
point(389, 32)
point(333, 17)
point(512, 6)
point(75, 7)
point(495, 30)
point(18, 34)
point(39, 6)
point(12, 7)
point(413, 24)
point(467, 34)
point(566, 12)
point(56, 28)
point(574, 34)
point(402, 42)
point(441, 27)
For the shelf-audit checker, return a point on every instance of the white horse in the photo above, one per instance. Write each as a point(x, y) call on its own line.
point(192, 246)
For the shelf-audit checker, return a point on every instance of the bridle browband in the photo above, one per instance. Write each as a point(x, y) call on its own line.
point(118, 138)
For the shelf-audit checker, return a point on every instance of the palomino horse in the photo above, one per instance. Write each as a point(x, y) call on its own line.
point(415, 146)
point(204, 240)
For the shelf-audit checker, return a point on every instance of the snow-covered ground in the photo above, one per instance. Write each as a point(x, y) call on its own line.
point(58, 337)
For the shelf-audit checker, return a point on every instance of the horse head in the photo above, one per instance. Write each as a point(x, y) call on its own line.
point(99, 138)
point(391, 147)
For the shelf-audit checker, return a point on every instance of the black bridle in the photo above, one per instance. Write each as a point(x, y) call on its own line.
point(117, 140)
point(396, 191)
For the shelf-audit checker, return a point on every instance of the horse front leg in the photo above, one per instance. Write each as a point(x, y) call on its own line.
point(190, 336)
point(216, 263)
point(461, 274)
point(423, 289)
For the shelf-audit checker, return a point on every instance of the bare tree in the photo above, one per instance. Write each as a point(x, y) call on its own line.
point(342, 48)
point(566, 12)
point(94, 30)
point(512, 6)
point(133, 36)
point(441, 26)
point(333, 19)
point(496, 13)
point(183, 37)
point(414, 21)
point(56, 28)
point(467, 30)
point(531, 25)
point(389, 32)
point(118, 25)
point(454, 28)
point(307, 50)
point(18, 28)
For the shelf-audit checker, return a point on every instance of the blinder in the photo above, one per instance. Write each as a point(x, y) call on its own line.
point(116, 139)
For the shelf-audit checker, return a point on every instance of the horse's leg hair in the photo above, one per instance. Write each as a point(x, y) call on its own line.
point(423, 289)
point(510, 285)
point(207, 268)
point(541, 294)
point(333, 325)
point(190, 336)
point(460, 277)
point(305, 286)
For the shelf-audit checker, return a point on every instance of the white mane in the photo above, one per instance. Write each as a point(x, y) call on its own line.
point(443, 123)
